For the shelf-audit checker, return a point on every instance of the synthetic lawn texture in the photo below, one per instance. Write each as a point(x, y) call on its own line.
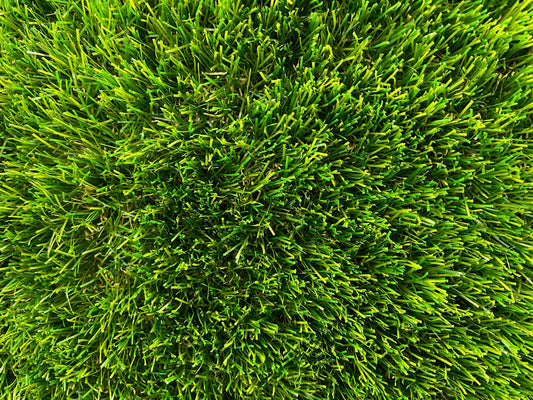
point(266, 200)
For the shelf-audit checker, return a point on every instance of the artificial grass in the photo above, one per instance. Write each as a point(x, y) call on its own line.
point(266, 199)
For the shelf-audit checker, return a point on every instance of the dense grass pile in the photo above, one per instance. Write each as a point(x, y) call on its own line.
point(266, 199)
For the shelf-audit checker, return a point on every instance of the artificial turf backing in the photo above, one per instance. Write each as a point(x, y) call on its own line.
point(266, 199)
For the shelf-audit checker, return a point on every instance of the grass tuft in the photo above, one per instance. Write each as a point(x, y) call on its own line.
point(230, 199)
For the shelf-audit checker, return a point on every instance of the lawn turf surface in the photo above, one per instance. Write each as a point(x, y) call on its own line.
point(266, 199)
